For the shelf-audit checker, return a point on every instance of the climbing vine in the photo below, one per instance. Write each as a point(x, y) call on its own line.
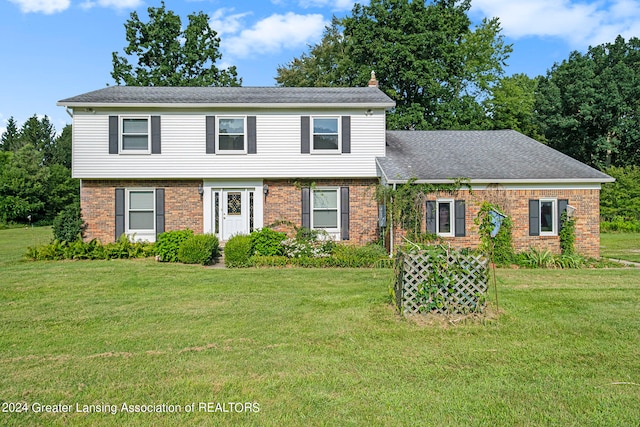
point(407, 202)
point(567, 234)
point(500, 246)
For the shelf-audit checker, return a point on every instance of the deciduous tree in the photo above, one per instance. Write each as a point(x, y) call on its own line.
point(165, 54)
point(425, 54)
point(512, 105)
point(589, 105)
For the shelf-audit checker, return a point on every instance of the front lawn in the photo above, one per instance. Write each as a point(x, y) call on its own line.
point(308, 347)
point(624, 246)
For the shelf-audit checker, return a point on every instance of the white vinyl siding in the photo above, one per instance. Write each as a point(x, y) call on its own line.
point(184, 149)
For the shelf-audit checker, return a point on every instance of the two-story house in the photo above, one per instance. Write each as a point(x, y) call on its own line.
point(228, 160)
point(231, 160)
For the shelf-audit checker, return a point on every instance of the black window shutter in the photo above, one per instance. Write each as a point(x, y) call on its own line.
point(534, 217)
point(306, 207)
point(211, 134)
point(562, 206)
point(344, 213)
point(113, 134)
point(460, 218)
point(305, 135)
point(159, 211)
point(119, 213)
point(155, 135)
point(346, 134)
point(431, 216)
point(251, 135)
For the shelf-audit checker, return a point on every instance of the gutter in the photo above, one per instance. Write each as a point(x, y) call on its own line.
point(509, 181)
point(195, 105)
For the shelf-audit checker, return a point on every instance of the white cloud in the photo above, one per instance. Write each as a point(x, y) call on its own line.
point(223, 21)
point(333, 4)
point(44, 6)
point(116, 4)
point(268, 35)
point(579, 23)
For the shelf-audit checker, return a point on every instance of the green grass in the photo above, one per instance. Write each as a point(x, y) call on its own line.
point(311, 346)
point(624, 246)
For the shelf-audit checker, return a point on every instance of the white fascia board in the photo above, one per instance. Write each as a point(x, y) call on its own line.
point(513, 182)
point(383, 177)
point(272, 106)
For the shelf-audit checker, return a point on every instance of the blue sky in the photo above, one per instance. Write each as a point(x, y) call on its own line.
point(54, 49)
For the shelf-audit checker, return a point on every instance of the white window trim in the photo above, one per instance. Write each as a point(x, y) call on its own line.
point(321, 151)
point(554, 217)
point(121, 133)
point(140, 234)
point(452, 217)
point(333, 232)
point(218, 150)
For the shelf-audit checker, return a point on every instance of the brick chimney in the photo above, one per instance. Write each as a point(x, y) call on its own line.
point(373, 82)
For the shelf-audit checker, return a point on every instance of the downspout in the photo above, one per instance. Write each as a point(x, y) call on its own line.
point(68, 112)
point(391, 225)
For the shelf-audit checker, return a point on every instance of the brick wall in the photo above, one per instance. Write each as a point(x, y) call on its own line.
point(284, 204)
point(183, 209)
point(183, 205)
point(515, 203)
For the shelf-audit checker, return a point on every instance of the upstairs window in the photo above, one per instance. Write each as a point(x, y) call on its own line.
point(135, 135)
point(231, 135)
point(326, 132)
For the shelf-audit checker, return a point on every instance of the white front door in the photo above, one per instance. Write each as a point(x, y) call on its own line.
point(234, 213)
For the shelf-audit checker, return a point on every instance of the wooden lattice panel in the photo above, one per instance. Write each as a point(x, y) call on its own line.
point(462, 283)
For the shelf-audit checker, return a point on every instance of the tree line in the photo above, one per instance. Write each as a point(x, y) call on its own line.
point(35, 172)
point(443, 72)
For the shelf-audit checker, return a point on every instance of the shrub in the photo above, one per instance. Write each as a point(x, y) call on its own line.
point(537, 258)
point(622, 197)
point(124, 248)
point(267, 242)
point(237, 251)
point(68, 225)
point(619, 224)
point(93, 249)
point(168, 244)
point(358, 256)
point(269, 261)
point(198, 249)
point(570, 261)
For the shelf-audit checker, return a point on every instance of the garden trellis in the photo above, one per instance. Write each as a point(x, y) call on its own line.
point(441, 280)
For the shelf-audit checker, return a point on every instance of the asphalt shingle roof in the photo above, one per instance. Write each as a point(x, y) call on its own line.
point(481, 156)
point(124, 95)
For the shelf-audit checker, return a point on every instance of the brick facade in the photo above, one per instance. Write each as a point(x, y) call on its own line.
point(184, 209)
point(515, 203)
point(183, 205)
point(284, 204)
